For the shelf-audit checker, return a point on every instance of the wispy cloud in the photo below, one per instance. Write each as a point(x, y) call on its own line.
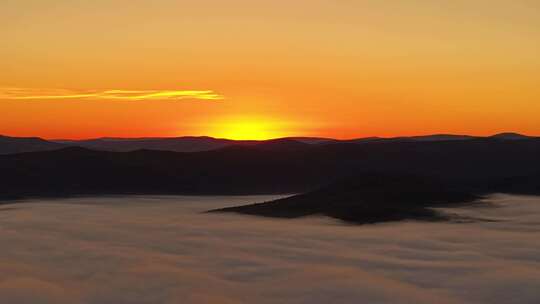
point(111, 94)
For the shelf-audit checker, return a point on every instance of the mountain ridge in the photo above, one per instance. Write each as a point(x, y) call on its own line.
point(488, 165)
point(9, 145)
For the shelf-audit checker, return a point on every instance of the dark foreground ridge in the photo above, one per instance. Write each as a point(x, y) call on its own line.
point(369, 198)
point(368, 181)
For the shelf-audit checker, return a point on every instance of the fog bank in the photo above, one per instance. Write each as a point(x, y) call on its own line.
point(162, 249)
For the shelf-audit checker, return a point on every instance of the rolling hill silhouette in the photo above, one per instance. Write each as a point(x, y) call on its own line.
point(11, 145)
point(175, 144)
point(510, 136)
point(280, 166)
point(355, 180)
point(367, 198)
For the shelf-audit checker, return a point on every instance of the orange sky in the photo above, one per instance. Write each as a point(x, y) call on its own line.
point(268, 68)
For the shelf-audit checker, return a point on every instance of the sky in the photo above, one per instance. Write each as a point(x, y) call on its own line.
point(269, 68)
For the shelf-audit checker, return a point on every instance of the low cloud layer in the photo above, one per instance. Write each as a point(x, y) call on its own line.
point(163, 250)
point(113, 94)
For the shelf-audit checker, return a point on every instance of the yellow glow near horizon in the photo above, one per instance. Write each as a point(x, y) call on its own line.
point(248, 129)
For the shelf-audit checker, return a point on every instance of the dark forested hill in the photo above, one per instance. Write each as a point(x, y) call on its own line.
point(283, 166)
point(366, 198)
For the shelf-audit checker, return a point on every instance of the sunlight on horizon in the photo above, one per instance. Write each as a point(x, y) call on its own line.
point(247, 128)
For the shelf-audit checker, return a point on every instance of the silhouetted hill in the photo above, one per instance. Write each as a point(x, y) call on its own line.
point(282, 144)
point(366, 198)
point(313, 140)
point(176, 144)
point(484, 165)
point(510, 136)
point(435, 137)
point(10, 145)
point(204, 143)
point(441, 137)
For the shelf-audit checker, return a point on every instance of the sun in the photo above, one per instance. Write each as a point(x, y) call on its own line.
point(252, 128)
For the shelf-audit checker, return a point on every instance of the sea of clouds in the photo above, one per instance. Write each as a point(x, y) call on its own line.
point(158, 249)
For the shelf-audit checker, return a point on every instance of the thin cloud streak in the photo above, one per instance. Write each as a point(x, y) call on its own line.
point(112, 94)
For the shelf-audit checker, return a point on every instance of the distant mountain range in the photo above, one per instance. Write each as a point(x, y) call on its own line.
point(10, 145)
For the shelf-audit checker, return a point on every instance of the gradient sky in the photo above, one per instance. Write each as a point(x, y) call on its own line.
point(268, 68)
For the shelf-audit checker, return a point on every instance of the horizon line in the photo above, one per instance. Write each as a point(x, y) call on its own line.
point(273, 138)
